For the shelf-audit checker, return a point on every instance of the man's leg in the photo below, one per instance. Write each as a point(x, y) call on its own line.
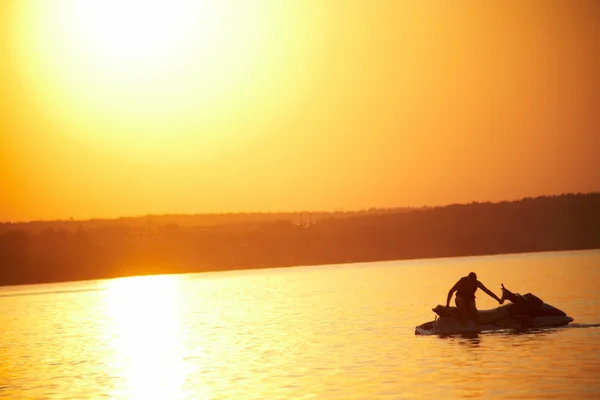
point(473, 312)
point(463, 310)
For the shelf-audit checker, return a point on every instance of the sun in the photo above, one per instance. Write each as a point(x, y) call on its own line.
point(155, 36)
point(155, 77)
point(137, 31)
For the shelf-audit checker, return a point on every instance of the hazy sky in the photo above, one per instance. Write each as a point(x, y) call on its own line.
point(132, 107)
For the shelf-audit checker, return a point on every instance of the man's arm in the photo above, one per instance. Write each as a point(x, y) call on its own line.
point(489, 292)
point(450, 293)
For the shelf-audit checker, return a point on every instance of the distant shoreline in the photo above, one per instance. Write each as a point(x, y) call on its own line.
point(218, 218)
point(44, 252)
point(527, 254)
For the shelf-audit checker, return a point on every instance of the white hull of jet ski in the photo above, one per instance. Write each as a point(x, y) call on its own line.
point(522, 313)
point(452, 326)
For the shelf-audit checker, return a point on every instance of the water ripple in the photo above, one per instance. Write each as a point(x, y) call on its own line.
point(302, 333)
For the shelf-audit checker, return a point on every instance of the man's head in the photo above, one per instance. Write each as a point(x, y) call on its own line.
point(472, 276)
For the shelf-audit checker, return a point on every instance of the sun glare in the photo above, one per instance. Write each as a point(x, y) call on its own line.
point(151, 77)
point(143, 31)
point(150, 38)
point(145, 336)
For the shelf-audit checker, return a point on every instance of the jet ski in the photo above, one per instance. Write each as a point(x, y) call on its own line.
point(521, 313)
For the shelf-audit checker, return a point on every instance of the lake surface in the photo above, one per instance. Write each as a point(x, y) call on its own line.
point(321, 332)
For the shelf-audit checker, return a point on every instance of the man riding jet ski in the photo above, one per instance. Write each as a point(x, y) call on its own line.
point(523, 312)
point(465, 290)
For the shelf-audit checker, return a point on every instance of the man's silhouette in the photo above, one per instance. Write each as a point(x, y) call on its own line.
point(465, 290)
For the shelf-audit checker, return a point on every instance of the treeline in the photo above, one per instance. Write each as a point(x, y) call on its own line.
point(147, 222)
point(75, 250)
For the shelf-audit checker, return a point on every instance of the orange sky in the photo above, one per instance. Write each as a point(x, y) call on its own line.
point(159, 106)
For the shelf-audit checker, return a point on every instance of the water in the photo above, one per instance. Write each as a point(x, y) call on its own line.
point(328, 332)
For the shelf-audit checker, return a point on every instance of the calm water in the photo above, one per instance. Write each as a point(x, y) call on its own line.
point(329, 332)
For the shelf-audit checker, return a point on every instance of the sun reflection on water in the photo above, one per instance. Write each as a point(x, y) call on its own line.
point(145, 329)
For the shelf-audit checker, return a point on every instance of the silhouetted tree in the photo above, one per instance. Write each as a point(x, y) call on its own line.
point(70, 250)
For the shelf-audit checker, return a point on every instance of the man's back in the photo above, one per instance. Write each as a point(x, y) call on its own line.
point(466, 288)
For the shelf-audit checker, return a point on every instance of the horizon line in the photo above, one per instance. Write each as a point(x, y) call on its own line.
point(332, 211)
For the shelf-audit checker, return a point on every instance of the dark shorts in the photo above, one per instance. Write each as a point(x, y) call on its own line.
point(462, 302)
point(467, 307)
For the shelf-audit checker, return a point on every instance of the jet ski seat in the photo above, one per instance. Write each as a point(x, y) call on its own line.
point(485, 316)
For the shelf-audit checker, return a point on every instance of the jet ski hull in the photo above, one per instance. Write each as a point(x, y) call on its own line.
point(523, 312)
point(451, 326)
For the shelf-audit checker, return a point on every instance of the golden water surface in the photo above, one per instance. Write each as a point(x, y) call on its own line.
point(326, 332)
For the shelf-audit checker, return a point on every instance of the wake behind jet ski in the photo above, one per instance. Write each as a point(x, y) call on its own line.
point(523, 312)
